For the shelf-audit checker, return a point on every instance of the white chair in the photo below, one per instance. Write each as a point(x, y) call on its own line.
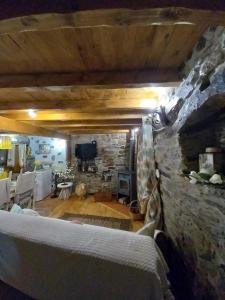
point(4, 193)
point(25, 189)
point(10, 175)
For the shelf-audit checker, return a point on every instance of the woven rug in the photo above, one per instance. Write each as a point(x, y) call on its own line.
point(116, 223)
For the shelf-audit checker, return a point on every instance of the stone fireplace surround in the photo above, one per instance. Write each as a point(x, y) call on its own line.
point(195, 214)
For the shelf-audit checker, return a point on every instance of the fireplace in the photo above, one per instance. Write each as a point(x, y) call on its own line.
point(124, 183)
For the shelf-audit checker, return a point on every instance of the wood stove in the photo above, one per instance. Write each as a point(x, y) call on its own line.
point(127, 185)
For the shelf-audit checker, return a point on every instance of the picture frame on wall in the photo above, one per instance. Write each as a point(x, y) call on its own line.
point(44, 148)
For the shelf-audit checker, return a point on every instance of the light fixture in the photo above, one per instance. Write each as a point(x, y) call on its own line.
point(136, 130)
point(184, 23)
point(32, 113)
point(149, 103)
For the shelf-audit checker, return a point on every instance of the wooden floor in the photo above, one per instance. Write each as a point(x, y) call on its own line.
point(55, 208)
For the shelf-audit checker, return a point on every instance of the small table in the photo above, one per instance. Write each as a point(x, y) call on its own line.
point(66, 189)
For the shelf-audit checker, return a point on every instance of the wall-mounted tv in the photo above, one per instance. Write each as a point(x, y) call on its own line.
point(86, 151)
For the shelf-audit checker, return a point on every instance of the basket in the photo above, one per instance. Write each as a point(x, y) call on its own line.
point(103, 196)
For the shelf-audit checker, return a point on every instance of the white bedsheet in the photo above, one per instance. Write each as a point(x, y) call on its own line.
point(54, 259)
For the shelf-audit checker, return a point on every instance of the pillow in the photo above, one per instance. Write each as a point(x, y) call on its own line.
point(148, 229)
point(16, 209)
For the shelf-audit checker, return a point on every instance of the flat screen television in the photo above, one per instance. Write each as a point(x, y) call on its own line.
point(86, 151)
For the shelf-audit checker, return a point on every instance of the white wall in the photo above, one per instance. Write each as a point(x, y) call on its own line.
point(58, 147)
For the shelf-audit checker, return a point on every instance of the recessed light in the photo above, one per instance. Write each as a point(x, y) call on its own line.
point(32, 113)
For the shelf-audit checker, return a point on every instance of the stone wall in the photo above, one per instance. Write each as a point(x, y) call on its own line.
point(195, 214)
point(112, 155)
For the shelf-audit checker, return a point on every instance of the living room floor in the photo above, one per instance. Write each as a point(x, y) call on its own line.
point(55, 208)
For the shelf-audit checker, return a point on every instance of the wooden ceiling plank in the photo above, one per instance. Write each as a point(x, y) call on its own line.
point(171, 45)
point(12, 126)
point(113, 17)
point(111, 79)
point(90, 49)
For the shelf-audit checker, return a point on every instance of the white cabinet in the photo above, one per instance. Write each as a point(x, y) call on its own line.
point(43, 187)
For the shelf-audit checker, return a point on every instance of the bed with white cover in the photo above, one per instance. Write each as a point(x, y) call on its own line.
point(53, 259)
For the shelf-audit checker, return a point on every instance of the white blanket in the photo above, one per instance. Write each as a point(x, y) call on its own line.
point(54, 259)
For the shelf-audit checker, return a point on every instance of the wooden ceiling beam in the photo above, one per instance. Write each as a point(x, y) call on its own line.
point(93, 104)
point(87, 123)
point(88, 110)
point(97, 127)
point(12, 126)
point(118, 16)
point(110, 79)
point(98, 131)
point(71, 116)
point(19, 8)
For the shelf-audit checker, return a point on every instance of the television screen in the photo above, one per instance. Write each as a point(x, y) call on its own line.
point(86, 151)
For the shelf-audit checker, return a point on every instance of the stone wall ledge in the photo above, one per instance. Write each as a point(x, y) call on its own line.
point(209, 189)
point(183, 182)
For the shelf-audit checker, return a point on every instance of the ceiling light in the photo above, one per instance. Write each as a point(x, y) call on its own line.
point(136, 130)
point(149, 103)
point(32, 113)
point(185, 23)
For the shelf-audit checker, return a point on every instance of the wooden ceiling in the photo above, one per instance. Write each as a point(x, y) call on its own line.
point(86, 67)
point(119, 48)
